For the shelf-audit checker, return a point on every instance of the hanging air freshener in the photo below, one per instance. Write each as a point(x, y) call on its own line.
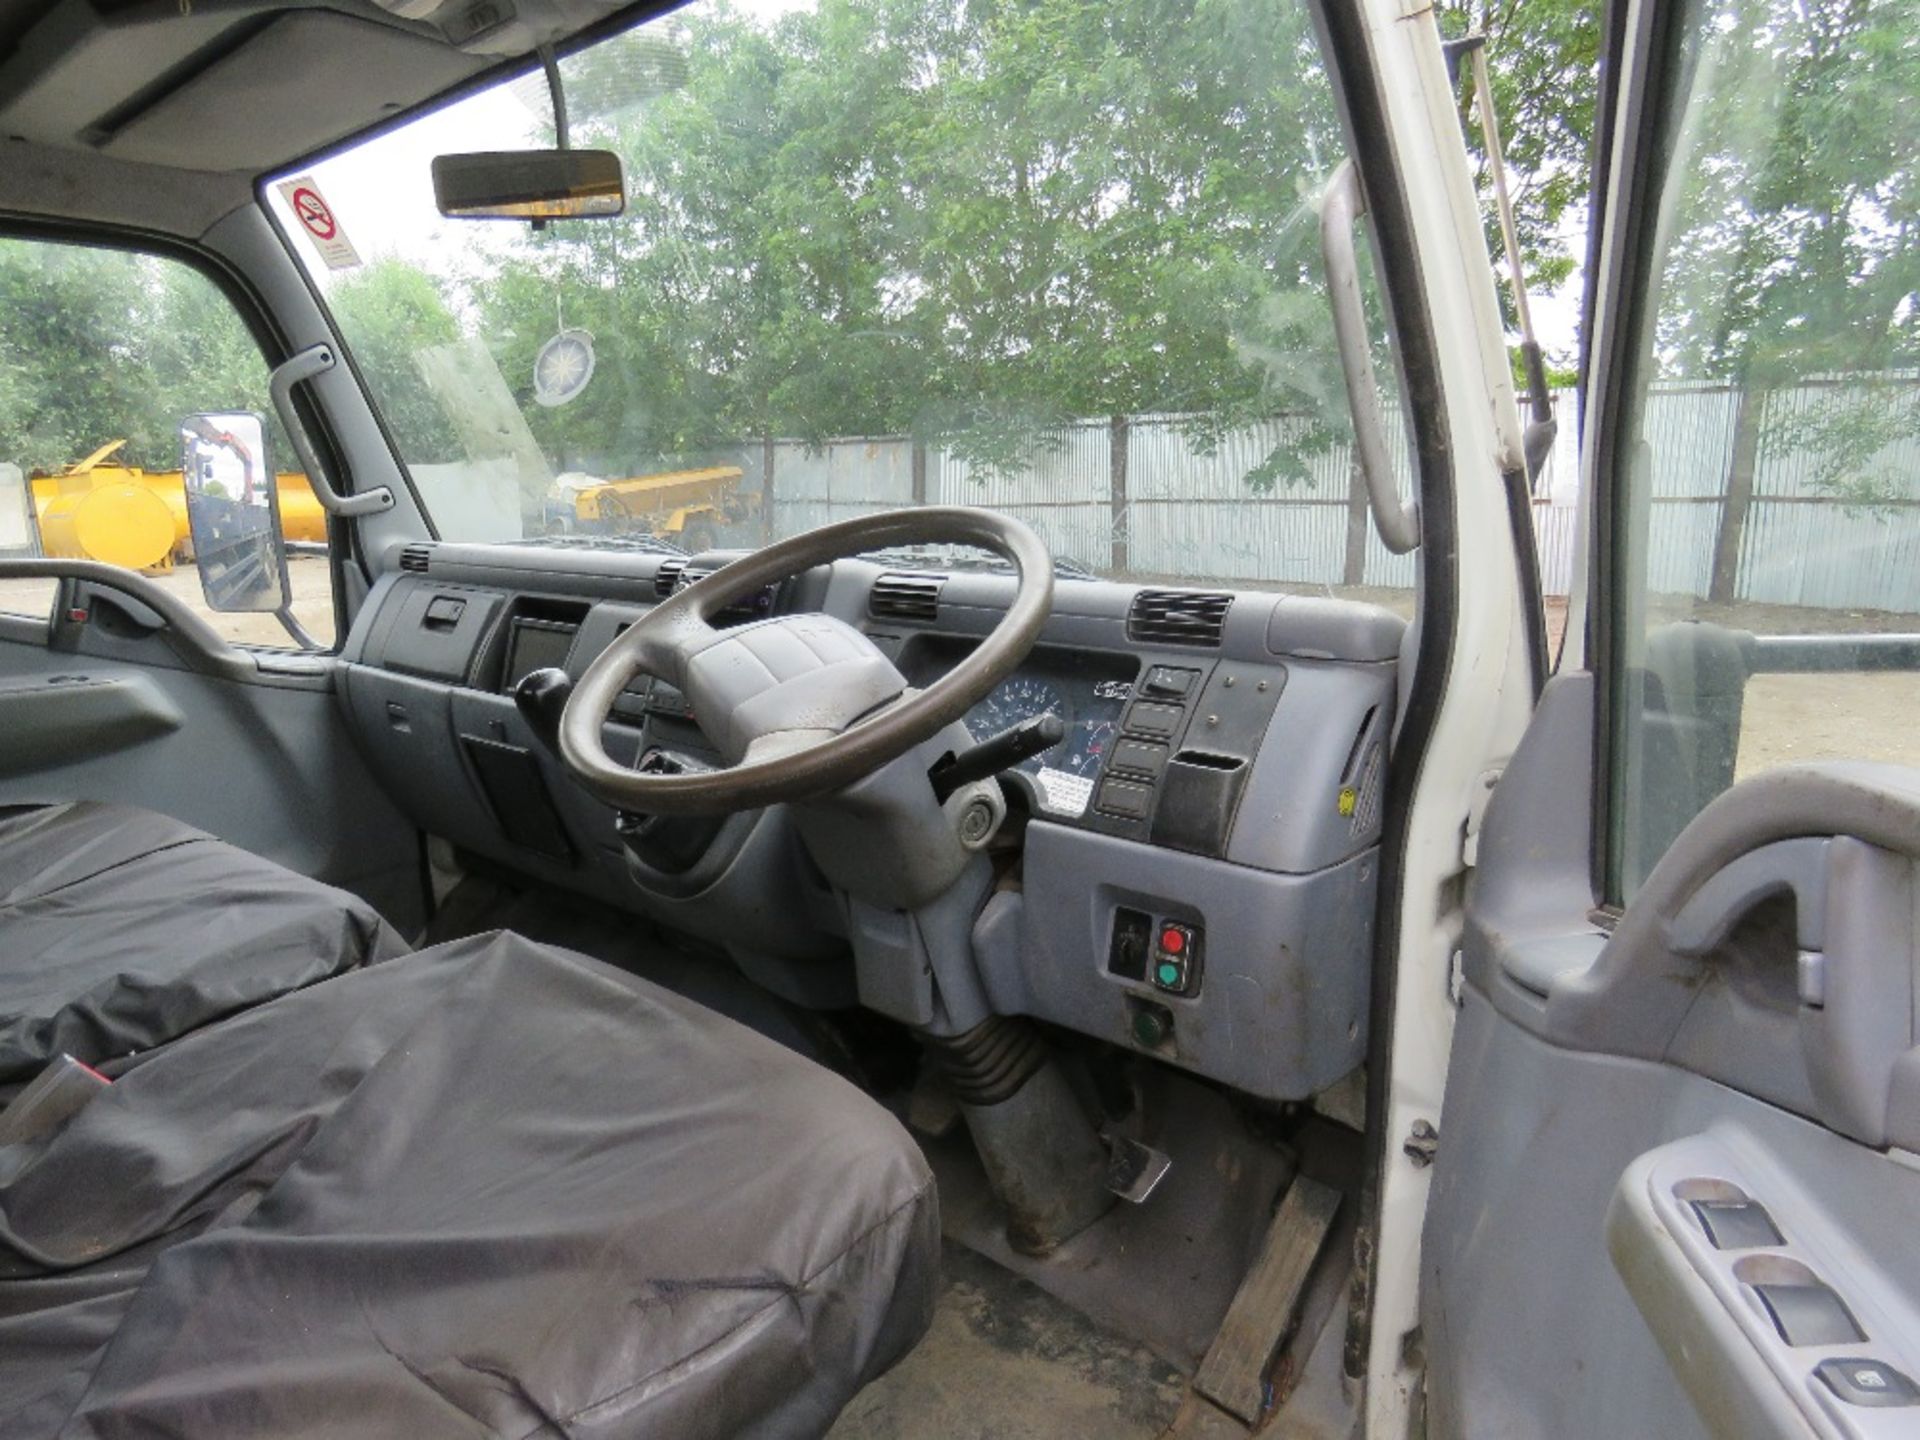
point(563, 367)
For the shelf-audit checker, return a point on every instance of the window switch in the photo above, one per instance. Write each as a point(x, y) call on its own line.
point(1736, 1224)
point(1809, 1315)
point(1870, 1383)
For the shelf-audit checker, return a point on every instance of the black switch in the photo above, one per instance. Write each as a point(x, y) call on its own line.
point(1120, 797)
point(1168, 680)
point(1870, 1383)
point(1736, 1224)
point(1809, 1315)
point(1143, 718)
point(1140, 757)
point(1132, 939)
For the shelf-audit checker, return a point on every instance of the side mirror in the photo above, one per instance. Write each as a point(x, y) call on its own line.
point(233, 513)
point(536, 185)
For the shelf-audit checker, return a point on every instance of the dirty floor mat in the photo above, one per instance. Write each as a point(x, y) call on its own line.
point(1006, 1361)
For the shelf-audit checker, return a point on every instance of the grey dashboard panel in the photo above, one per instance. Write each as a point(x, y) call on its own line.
point(1280, 1006)
point(1246, 806)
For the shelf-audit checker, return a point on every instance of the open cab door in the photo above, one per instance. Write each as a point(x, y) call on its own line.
point(1678, 1161)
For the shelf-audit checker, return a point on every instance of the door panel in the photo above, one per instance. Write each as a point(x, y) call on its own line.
point(1571, 1293)
point(1745, 1032)
point(256, 752)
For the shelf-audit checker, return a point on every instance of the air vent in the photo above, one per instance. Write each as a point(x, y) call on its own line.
point(906, 597)
point(667, 578)
point(1177, 617)
point(416, 558)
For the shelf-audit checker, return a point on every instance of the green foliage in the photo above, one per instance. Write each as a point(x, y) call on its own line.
point(392, 312)
point(1792, 254)
point(100, 345)
point(968, 222)
point(1542, 61)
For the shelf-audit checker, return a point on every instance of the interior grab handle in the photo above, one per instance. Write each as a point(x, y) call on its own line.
point(1341, 205)
point(306, 364)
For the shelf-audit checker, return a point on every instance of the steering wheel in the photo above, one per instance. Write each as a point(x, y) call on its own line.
point(798, 705)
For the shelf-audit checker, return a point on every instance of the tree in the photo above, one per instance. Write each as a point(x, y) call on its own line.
point(1542, 62)
point(970, 222)
point(391, 312)
point(1792, 250)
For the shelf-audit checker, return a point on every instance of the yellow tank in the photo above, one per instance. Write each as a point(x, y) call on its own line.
point(121, 523)
point(121, 505)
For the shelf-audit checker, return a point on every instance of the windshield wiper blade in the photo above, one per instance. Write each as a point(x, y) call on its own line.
point(633, 544)
point(1064, 566)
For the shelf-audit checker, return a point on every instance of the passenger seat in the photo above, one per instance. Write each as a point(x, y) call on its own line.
point(121, 930)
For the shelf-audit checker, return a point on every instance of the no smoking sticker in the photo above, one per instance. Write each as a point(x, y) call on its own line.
point(317, 219)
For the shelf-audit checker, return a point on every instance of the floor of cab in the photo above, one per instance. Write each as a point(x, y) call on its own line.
point(1006, 1361)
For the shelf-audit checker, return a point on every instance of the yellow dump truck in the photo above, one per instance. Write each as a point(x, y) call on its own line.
point(687, 507)
point(124, 515)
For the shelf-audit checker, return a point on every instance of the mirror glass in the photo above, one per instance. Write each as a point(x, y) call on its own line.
point(233, 511)
point(529, 185)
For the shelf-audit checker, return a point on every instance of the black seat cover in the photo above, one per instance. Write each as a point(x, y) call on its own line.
point(121, 929)
point(489, 1189)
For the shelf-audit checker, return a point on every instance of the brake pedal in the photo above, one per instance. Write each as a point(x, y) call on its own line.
point(1133, 1169)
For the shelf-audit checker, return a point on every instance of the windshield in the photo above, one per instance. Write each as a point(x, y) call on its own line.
point(1056, 258)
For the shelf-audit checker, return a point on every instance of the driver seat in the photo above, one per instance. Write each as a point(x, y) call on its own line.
point(492, 1188)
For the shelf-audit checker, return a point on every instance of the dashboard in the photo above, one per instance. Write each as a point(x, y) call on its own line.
point(1222, 782)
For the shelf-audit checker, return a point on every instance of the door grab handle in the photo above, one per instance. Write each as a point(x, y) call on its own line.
point(306, 364)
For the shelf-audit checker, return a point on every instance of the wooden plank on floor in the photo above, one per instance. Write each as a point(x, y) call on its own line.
point(1201, 1419)
point(1234, 1373)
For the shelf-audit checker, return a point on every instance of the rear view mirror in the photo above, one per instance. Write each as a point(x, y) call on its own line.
point(529, 185)
point(233, 512)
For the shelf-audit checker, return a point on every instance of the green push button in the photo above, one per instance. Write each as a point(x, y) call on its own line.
point(1168, 974)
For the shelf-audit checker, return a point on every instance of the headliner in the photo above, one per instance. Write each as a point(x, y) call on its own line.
point(163, 113)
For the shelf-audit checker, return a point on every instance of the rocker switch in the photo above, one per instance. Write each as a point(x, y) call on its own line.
point(1736, 1224)
point(1809, 1315)
point(1869, 1383)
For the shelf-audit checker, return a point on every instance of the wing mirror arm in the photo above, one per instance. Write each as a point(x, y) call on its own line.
point(1397, 520)
point(306, 364)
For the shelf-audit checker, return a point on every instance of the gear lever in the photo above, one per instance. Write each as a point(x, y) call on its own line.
point(540, 697)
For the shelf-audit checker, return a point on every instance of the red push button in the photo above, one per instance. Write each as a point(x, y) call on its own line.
point(1173, 941)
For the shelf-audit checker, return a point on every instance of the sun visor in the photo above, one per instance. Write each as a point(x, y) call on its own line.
point(309, 78)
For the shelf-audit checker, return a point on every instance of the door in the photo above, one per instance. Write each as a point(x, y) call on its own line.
point(1678, 1164)
point(118, 682)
